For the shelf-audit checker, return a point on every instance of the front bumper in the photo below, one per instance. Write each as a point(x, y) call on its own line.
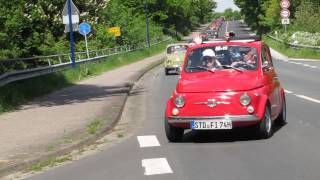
point(238, 120)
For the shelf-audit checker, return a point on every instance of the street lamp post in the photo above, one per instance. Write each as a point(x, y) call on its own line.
point(71, 34)
point(147, 23)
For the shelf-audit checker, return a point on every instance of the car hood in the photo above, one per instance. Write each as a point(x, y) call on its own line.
point(218, 82)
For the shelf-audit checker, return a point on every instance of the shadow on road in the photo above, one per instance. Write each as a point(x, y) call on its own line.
point(221, 136)
point(80, 94)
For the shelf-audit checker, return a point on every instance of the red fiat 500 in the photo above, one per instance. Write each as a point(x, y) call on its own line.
point(224, 85)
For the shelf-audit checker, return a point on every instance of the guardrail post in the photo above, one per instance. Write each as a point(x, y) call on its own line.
point(49, 63)
point(60, 59)
point(70, 58)
point(79, 57)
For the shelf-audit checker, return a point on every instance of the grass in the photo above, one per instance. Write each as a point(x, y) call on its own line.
point(292, 52)
point(17, 93)
point(50, 163)
point(94, 126)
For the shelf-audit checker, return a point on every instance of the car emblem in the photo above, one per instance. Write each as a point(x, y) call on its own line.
point(213, 103)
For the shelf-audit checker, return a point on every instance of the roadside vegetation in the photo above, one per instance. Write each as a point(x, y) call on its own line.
point(14, 94)
point(291, 52)
point(263, 16)
point(33, 28)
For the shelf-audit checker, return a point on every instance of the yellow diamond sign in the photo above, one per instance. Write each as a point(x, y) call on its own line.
point(115, 30)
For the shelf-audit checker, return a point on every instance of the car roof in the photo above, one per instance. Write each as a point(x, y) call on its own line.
point(251, 43)
point(177, 44)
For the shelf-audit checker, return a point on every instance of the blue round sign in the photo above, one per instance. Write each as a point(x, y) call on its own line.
point(84, 28)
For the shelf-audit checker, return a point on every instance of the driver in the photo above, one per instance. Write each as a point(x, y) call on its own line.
point(209, 59)
point(248, 59)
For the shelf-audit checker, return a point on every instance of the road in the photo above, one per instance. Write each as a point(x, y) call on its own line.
point(291, 154)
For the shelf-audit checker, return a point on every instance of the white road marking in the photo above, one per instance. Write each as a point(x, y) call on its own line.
point(308, 98)
point(148, 141)
point(313, 66)
point(306, 65)
point(287, 91)
point(156, 166)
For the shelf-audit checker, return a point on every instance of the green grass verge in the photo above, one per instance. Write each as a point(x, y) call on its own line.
point(16, 93)
point(50, 163)
point(291, 52)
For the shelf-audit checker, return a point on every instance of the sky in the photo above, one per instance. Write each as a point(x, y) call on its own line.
point(224, 4)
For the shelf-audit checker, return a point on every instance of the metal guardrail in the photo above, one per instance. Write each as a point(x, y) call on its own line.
point(294, 45)
point(25, 68)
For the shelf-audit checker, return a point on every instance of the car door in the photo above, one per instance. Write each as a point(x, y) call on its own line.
point(272, 81)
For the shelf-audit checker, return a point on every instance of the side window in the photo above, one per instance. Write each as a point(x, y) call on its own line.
point(264, 56)
point(268, 55)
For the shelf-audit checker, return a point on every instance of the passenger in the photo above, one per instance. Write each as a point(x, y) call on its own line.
point(209, 59)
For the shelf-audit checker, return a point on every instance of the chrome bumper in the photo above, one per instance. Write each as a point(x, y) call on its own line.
point(188, 119)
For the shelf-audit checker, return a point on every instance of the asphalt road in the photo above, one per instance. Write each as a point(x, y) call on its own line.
point(291, 154)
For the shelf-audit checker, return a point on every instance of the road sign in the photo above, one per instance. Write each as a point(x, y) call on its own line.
point(285, 13)
point(115, 30)
point(84, 28)
point(75, 27)
point(285, 21)
point(74, 13)
point(285, 4)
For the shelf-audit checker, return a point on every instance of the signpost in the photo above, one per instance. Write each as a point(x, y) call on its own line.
point(70, 18)
point(84, 29)
point(285, 13)
point(115, 30)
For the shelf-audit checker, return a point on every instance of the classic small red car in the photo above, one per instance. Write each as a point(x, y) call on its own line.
point(223, 85)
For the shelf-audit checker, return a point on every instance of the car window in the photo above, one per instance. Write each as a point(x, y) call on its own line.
point(265, 56)
point(176, 48)
point(225, 57)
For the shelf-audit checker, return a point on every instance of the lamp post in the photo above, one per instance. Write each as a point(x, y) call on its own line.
point(147, 23)
point(73, 62)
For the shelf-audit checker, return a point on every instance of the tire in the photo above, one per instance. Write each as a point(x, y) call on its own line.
point(264, 128)
point(174, 134)
point(167, 72)
point(282, 118)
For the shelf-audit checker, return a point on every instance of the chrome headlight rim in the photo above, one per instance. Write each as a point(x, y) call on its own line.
point(245, 99)
point(179, 101)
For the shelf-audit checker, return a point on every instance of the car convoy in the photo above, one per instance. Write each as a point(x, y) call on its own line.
point(225, 84)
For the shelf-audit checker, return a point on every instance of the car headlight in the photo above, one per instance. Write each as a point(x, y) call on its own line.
point(179, 101)
point(245, 99)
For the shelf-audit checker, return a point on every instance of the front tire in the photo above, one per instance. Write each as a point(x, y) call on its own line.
point(264, 128)
point(174, 134)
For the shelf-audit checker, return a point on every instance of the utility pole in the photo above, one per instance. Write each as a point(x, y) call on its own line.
point(147, 23)
point(71, 35)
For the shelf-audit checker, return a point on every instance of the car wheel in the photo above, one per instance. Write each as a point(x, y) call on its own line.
point(174, 134)
point(282, 118)
point(167, 71)
point(265, 126)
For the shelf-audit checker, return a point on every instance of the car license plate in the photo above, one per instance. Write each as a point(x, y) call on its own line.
point(211, 124)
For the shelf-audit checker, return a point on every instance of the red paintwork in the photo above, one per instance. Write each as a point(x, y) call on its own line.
point(228, 85)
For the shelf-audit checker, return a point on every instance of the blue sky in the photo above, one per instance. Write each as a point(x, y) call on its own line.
point(224, 4)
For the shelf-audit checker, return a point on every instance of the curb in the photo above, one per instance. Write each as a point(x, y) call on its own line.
point(305, 60)
point(87, 141)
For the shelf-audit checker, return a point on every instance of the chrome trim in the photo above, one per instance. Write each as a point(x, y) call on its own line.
point(188, 119)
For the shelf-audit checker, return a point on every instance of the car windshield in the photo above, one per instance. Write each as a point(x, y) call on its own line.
point(240, 58)
point(176, 48)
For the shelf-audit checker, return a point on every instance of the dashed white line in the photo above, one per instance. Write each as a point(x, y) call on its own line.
point(306, 65)
point(156, 166)
point(308, 98)
point(287, 91)
point(148, 141)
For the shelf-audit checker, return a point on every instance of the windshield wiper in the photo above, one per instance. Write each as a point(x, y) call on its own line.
point(202, 67)
point(228, 66)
